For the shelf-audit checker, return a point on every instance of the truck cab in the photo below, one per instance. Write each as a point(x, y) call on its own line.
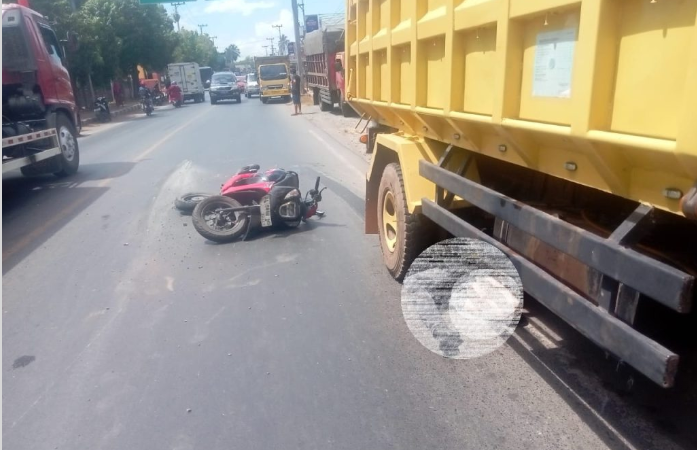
point(37, 92)
point(273, 76)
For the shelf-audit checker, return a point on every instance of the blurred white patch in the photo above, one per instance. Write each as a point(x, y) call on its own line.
point(462, 298)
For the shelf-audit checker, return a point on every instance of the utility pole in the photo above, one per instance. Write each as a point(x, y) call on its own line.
point(301, 5)
point(271, 39)
point(266, 49)
point(213, 38)
point(298, 44)
point(176, 15)
point(201, 26)
point(279, 38)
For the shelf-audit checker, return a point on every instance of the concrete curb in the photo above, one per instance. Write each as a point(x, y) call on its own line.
point(116, 113)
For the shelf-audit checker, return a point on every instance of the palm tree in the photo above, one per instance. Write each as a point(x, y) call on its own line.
point(282, 44)
point(232, 52)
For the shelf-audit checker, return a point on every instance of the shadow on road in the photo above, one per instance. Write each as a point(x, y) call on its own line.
point(35, 208)
point(612, 398)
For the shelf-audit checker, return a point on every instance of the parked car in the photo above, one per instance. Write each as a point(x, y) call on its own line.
point(252, 85)
point(224, 87)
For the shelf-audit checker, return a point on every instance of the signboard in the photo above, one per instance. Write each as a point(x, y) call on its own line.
point(554, 62)
point(291, 48)
point(311, 23)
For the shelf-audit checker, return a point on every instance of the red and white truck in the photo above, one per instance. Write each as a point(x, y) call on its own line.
point(39, 113)
point(324, 58)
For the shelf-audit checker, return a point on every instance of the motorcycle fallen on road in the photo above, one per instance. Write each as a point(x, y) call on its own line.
point(250, 200)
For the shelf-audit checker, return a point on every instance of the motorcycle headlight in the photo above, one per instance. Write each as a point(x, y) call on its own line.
point(292, 194)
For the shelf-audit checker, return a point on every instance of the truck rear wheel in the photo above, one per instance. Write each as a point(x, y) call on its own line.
point(70, 152)
point(403, 236)
point(323, 106)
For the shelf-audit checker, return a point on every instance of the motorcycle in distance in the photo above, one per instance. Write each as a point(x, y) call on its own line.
point(157, 97)
point(175, 95)
point(101, 110)
point(251, 199)
point(146, 104)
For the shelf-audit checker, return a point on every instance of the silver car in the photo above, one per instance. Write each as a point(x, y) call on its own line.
point(252, 85)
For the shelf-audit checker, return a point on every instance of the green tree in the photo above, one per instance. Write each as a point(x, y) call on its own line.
point(194, 47)
point(128, 34)
point(283, 45)
point(232, 52)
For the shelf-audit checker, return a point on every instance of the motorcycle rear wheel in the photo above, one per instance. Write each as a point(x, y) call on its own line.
point(218, 226)
point(187, 202)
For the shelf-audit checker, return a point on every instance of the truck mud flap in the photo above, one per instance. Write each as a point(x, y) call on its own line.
point(626, 273)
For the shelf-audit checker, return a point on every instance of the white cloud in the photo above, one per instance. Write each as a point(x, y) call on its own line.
point(245, 7)
point(265, 29)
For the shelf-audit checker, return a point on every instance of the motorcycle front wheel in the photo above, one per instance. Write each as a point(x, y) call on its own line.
point(187, 202)
point(213, 223)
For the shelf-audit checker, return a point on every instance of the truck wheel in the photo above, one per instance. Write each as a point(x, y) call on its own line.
point(70, 152)
point(213, 102)
point(403, 236)
point(346, 109)
point(323, 106)
point(264, 100)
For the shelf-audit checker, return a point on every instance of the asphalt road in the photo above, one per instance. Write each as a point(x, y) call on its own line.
point(124, 329)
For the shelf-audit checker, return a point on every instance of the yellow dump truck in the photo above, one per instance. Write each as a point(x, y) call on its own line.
point(563, 132)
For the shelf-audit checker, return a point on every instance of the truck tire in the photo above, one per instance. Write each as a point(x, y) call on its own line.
point(213, 101)
point(346, 109)
point(323, 106)
point(70, 151)
point(403, 236)
point(264, 100)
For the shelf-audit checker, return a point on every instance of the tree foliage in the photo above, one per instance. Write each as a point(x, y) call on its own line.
point(118, 35)
point(232, 52)
point(283, 45)
point(194, 47)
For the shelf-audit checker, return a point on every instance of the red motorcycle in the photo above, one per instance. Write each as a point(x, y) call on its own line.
point(250, 199)
point(175, 95)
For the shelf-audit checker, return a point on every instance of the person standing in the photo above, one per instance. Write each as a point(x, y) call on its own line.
point(295, 92)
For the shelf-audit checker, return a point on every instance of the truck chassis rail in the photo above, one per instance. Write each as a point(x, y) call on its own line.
point(625, 272)
point(17, 163)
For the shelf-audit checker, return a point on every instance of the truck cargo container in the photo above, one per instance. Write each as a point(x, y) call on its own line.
point(562, 133)
point(324, 50)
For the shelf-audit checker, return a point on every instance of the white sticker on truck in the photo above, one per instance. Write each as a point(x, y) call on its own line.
point(554, 62)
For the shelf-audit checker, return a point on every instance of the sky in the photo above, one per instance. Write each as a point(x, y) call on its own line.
point(248, 23)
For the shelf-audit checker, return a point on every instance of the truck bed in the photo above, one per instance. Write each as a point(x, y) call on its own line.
point(599, 93)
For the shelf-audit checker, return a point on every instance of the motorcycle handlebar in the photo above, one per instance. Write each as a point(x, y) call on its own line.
point(317, 184)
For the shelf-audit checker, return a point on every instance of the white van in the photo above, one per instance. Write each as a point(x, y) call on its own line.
point(188, 78)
